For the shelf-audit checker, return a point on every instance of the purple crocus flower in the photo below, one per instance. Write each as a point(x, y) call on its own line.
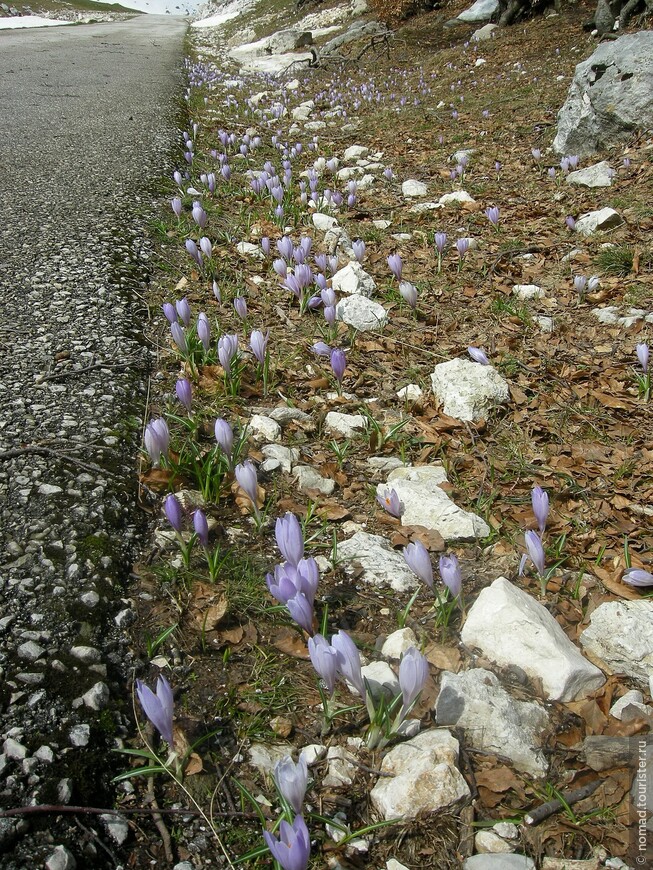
point(395, 265)
point(285, 247)
point(462, 246)
point(301, 610)
point(183, 311)
point(289, 537)
point(291, 780)
point(216, 292)
point(224, 435)
point(258, 342)
point(199, 215)
point(247, 480)
point(450, 574)
point(206, 247)
point(330, 314)
point(288, 580)
point(280, 267)
point(328, 296)
point(413, 671)
point(170, 312)
point(638, 577)
point(338, 364)
point(321, 262)
point(179, 337)
point(358, 247)
point(478, 355)
point(184, 392)
point(571, 222)
point(325, 661)
point(391, 502)
point(492, 214)
point(157, 439)
point(177, 206)
point(321, 349)
point(293, 848)
point(265, 245)
point(418, 560)
point(535, 553)
point(408, 293)
point(240, 307)
point(642, 350)
point(173, 512)
point(204, 330)
point(191, 247)
point(227, 348)
point(201, 526)
point(540, 502)
point(580, 282)
point(158, 708)
point(440, 242)
point(349, 660)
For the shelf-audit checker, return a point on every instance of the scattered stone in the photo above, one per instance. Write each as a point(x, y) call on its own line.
point(393, 864)
point(514, 630)
point(456, 198)
point(31, 651)
point(116, 826)
point(620, 635)
point(381, 679)
point(482, 10)
point(281, 726)
point(250, 250)
point(528, 291)
point(49, 489)
point(346, 425)
point(384, 463)
point(598, 175)
point(86, 654)
point(314, 126)
point(632, 698)
point(498, 862)
point(410, 393)
point(79, 735)
point(355, 152)
point(610, 96)
point(313, 752)
point(265, 757)
point(324, 222)
point(65, 790)
point(423, 207)
point(592, 221)
point(427, 504)
point(398, 642)
point(342, 767)
point(263, 428)
point(468, 390)
point(353, 279)
point(380, 564)
point(309, 479)
point(483, 33)
point(381, 224)
point(44, 754)
point(413, 188)
point(14, 750)
point(492, 719)
point(545, 323)
point(285, 456)
point(489, 842)
point(97, 697)
point(362, 313)
point(284, 414)
point(423, 777)
point(60, 859)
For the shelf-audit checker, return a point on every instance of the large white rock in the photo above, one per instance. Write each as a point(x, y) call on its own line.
point(288, 40)
point(353, 280)
point(468, 390)
point(426, 504)
point(423, 777)
point(620, 634)
point(611, 95)
point(380, 564)
point(456, 198)
point(597, 175)
point(603, 219)
point(492, 719)
point(512, 629)
point(362, 313)
point(346, 425)
point(413, 188)
point(482, 10)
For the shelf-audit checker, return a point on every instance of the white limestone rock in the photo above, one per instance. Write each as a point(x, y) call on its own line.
point(381, 679)
point(426, 504)
point(512, 629)
point(384, 463)
point(410, 393)
point(353, 280)
point(345, 425)
point(338, 241)
point(483, 33)
point(498, 862)
point(528, 291)
point(250, 250)
point(396, 644)
point(309, 479)
point(285, 414)
point(423, 777)
point(342, 767)
point(411, 187)
point(468, 390)
point(355, 152)
point(423, 207)
point(546, 323)
point(620, 634)
point(601, 220)
point(324, 222)
point(489, 842)
point(262, 428)
point(492, 719)
point(382, 224)
point(315, 126)
point(633, 698)
point(456, 198)
point(362, 313)
point(380, 564)
point(285, 456)
point(597, 175)
point(482, 10)
point(264, 758)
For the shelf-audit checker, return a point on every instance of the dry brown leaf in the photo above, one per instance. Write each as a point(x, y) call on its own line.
point(194, 765)
point(445, 658)
point(290, 642)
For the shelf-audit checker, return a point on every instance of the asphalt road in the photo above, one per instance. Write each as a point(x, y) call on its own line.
point(88, 118)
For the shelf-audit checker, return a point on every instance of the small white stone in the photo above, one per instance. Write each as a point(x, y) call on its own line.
point(393, 864)
point(285, 456)
point(633, 697)
point(422, 207)
point(603, 219)
point(507, 830)
point(250, 250)
point(80, 735)
point(483, 33)
point(545, 323)
point(597, 175)
point(49, 489)
point(380, 564)
point(13, 749)
point(411, 187)
point(381, 224)
point(398, 642)
point(342, 767)
point(620, 634)
point(346, 425)
point(355, 152)
point(263, 428)
point(313, 752)
point(324, 222)
point(410, 393)
point(528, 291)
point(97, 697)
point(116, 826)
point(361, 313)
point(488, 842)
point(457, 197)
point(353, 279)
point(309, 479)
point(60, 859)
point(467, 390)
point(45, 754)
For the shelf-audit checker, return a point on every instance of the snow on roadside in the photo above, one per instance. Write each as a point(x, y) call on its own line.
point(29, 21)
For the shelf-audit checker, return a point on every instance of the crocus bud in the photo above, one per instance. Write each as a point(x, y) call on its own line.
point(395, 265)
point(184, 392)
point(301, 610)
point(204, 330)
point(291, 780)
point(170, 312)
point(201, 526)
point(173, 512)
point(240, 307)
point(408, 293)
point(349, 660)
point(440, 242)
point(224, 435)
point(330, 314)
point(418, 560)
point(177, 206)
point(642, 350)
point(478, 355)
point(638, 577)
point(206, 247)
point(293, 848)
point(535, 552)
point(540, 502)
point(492, 214)
point(179, 337)
point(321, 349)
point(450, 574)
point(289, 537)
point(216, 292)
point(247, 480)
point(413, 672)
point(358, 246)
point(462, 246)
point(183, 310)
point(158, 708)
point(325, 661)
point(258, 343)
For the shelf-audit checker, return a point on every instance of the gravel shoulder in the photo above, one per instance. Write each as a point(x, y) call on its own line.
point(87, 124)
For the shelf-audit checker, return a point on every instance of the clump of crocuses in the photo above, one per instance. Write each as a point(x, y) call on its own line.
point(294, 582)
